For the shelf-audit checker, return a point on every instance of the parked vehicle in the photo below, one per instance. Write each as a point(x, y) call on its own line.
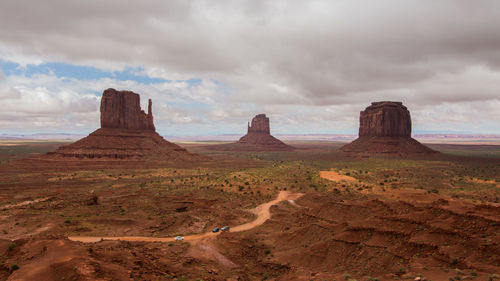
point(215, 230)
point(225, 228)
point(178, 238)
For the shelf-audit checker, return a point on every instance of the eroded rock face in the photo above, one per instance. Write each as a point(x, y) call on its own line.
point(385, 119)
point(260, 124)
point(385, 128)
point(126, 133)
point(122, 110)
point(259, 137)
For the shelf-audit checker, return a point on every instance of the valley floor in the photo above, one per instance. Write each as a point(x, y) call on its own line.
point(376, 218)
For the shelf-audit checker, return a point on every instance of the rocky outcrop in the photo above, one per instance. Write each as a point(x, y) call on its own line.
point(122, 110)
point(385, 119)
point(126, 133)
point(385, 128)
point(258, 138)
point(260, 124)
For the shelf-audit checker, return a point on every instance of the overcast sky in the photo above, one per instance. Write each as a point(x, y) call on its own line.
point(210, 66)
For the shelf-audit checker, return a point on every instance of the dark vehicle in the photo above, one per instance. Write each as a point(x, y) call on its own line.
point(215, 230)
point(225, 228)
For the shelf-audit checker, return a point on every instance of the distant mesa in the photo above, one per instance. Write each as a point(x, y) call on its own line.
point(385, 128)
point(258, 138)
point(126, 133)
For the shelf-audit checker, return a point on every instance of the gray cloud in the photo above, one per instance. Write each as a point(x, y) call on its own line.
point(283, 57)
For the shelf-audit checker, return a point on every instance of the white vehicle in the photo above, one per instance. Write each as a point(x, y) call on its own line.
point(178, 238)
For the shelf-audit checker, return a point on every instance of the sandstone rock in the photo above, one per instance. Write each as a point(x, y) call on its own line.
point(258, 138)
point(260, 124)
point(385, 128)
point(126, 133)
point(385, 119)
point(122, 109)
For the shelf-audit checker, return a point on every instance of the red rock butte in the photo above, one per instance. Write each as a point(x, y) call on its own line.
point(122, 109)
point(385, 128)
point(258, 138)
point(126, 133)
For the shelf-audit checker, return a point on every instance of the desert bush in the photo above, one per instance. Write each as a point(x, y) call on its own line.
point(401, 271)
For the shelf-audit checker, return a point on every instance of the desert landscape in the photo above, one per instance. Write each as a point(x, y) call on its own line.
point(116, 209)
point(246, 140)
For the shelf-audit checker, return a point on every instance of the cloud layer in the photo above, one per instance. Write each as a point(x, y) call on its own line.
point(311, 65)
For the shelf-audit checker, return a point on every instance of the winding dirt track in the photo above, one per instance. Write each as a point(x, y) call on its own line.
point(24, 203)
point(262, 212)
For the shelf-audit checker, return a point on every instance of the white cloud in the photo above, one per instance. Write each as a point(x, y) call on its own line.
point(7, 92)
point(308, 64)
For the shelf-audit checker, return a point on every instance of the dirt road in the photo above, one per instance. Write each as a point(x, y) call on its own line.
point(262, 212)
point(25, 203)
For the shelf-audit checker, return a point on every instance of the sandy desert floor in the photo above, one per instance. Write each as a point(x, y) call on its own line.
point(311, 214)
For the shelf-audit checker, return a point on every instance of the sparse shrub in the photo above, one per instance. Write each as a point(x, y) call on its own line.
point(11, 246)
point(401, 271)
point(14, 267)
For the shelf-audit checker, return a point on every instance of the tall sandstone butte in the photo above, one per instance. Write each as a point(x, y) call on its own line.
point(122, 109)
point(260, 124)
point(385, 128)
point(126, 133)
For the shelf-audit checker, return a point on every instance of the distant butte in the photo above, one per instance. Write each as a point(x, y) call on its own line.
point(385, 128)
point(126, 133)
point(258, 138)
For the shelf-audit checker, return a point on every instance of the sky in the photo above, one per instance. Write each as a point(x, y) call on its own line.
point(210, 66)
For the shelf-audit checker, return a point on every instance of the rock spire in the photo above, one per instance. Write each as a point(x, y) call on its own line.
point(122, 110)
point(126, 133)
